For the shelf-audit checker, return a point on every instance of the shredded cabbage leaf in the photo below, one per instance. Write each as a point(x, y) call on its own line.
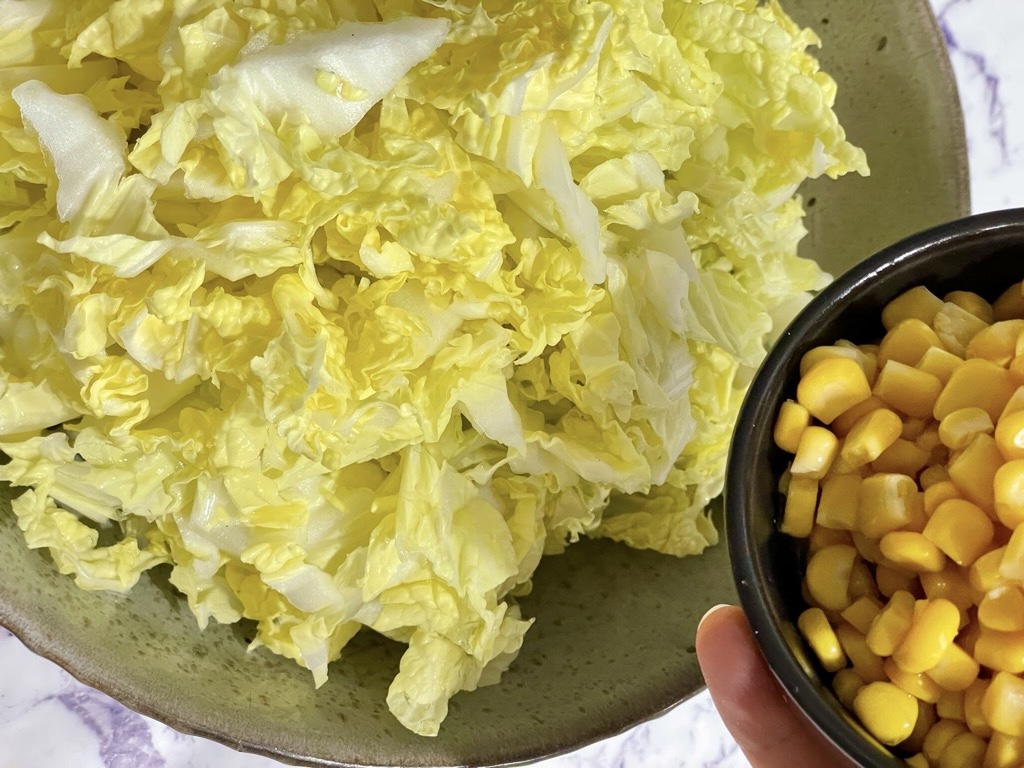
point(349, 311)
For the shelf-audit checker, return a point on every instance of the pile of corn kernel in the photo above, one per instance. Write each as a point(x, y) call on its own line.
point(907, 479)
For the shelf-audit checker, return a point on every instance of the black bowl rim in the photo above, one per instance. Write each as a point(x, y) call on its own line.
point(894, 264)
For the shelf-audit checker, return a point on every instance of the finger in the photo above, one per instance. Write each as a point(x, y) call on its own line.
point(766, 724)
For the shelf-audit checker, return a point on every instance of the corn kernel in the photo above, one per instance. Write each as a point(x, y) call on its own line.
point(840, 501)
point(1014, 404)
point(917, 302)
point(861, 612)
point(1003, 704)
point(1011, 567)
point(888, 502)
point(814, 455)
point(931, 476)
point(902, 457)
point(907, 341)
point(938, 493)
point(1010, 436)
point(997, 343)
point(917, 761)
point(912, 551)
point(963, 751)
point(955, 327)
point(888, 713)
point(908, 390)
point(822, 638)
point(951, 705)
point(955, 671)
point(959, 427)
point(870, 436)
point(1001, 651)
point(920, 686)
point(1004, 751)
point(952, 584)
point(890, 626)
point(862, 581)
point(845, 421)
point(801, 503)
point(1015, 368)
point(939, 363)
point(846, 684)
point(914, 428)
point(828, 576)
point(974, 470)
point(891, 580)
point(831, 387)
point(1009, 305)
point(975, 383)
point(1002, 609)
point(941, 734)
point(812, 357)
point(926, 718)
point(826, 537)
point(984, 574)
point(960, 529)
point(929, 637)
point(855, 646)
point(973, 715)
point(971, 302)
point(790, 425)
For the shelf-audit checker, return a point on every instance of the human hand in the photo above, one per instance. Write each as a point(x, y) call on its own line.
point(765, 722)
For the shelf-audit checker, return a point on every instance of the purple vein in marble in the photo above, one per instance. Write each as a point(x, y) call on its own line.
point(978, 61)
point(123, 735)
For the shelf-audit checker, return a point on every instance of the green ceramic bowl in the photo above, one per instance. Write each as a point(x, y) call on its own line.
point(612, 644)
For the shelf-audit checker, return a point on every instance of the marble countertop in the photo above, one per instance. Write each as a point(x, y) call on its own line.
point(39, 700)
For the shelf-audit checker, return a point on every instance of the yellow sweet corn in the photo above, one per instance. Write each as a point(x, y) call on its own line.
point(828, 576)
point(801, 503)
point(931, 476)
point(960, 529)
point(1002, 651)
point(964, 751)
point(997, 343)
point(1011, 566)
point(984, 574)
point(959, 427)
point(1015, 403)
point(1008, 493)
point(890, 626)
point(865, 663)
point(940, 735)
point(888, 713)
point(831, 387)
point(888, 502)
point(891, 579)
point(951, 705)
point(912, 551)
point(935, 494)
point(939, 362)
point(846, 684)
point(973, 303)
point(975, 383)
point(919, 686)
point(973, 470)
point(907, 389)
point(818, 633)
point(918, 302)
point(926, 718)
point(1010, 435)
point(929, 637)
point(1009, 305)
point(955, 671)
point(845, 421)
point(956, 326)
point(790, 425)
point(870, 436)
point(973, 714)
point(840, 501)
point(1002, 609)
point(902, 457)
point(812, 357)
point(817, 450)
point(907, 341)
point(1004, 751)
point(1003, 704)
point(861, 612)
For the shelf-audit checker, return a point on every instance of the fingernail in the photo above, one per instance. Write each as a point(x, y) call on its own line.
point(713, 609)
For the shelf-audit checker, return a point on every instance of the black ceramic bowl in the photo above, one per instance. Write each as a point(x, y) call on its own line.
point(982, 253)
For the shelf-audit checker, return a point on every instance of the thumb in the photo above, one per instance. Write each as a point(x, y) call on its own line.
point(766, 724)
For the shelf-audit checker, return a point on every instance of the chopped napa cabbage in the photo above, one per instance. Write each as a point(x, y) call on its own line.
point(350, 312)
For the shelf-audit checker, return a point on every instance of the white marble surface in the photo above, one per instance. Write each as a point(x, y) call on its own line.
point(48, 720)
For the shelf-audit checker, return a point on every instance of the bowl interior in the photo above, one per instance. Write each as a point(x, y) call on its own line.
point(984, 254)
point(612, 642)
